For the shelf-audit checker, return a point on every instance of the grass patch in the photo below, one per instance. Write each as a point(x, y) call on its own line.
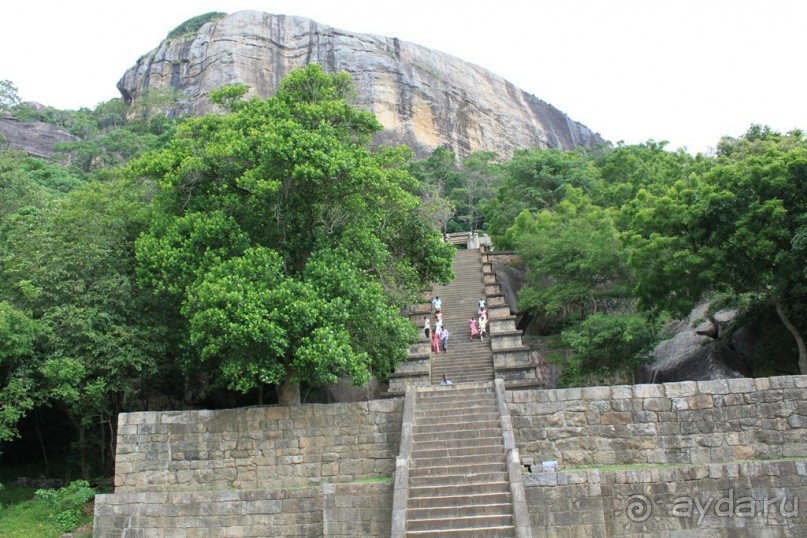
point(22, 515)
point(374, 480)
point(645, 466)
point(27, 519)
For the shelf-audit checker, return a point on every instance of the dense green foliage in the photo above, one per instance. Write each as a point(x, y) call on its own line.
point(163, 262)
point(454, 195)
point(644, 231)
point(606, 344)
point(29, 513)
point(287, 244)
point(193, 24)
point(65, 504)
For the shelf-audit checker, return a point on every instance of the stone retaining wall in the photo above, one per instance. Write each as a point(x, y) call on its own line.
point(257, 448)
point(332, 510)
point(688, 422)
point(767, 498)
point(292, 471)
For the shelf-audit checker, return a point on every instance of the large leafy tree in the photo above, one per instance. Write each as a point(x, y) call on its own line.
point(736, 228)
point(285, 242)
point(69, 269)
point(535, 180)
point(573, 257)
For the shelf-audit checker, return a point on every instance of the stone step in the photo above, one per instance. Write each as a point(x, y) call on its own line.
point(443, 512)
point(475, 499)
point(465, 467)
point(455, 444)
point(451, 394)
point(437, 455)
point(456, 479)
point(457, 415)
point(451, 427)
point(439, 413)
point(457, 406)
point(466, 461)
point(458, 402)
point(454, 490)
point(463, 435)
point(504, 531)
point(466, 522)
point(457, 393)
point(468, 377)
point(446, 414)
point(460, 367)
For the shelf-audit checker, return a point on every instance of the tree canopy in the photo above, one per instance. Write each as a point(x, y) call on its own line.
point(287, 243)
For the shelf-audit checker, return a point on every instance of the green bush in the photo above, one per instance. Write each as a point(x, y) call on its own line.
point(192, 25)
point(66, 503)
point(607, 344)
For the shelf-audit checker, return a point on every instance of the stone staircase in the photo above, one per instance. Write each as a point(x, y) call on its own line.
point(459, 480)
point(466, 360)
point(501, 356)
point(511, 358)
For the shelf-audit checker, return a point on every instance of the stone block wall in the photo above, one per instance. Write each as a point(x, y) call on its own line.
point(330, 510)
point(690, 422)
point(257, 448)
point(759, 499)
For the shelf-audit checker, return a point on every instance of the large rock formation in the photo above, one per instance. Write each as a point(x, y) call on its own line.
point(695, 351)
point(422, 97)
point(38, 139)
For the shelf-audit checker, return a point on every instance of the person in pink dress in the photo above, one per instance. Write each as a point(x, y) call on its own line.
point(472, 326)
point(436, 341)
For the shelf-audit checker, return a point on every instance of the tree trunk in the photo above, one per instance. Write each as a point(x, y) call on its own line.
point(288, 393)
point(82, 450)
point(795, 332)
point(41, 442)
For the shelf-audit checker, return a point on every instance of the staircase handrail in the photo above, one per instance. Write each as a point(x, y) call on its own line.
point(400, 496)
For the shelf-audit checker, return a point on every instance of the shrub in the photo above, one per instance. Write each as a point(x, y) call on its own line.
point(608, 344)
point(192, 25)
point(65, 503)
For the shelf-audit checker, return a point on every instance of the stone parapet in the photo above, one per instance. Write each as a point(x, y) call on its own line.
point(691, 422)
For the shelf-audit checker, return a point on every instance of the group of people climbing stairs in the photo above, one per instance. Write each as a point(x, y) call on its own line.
point(466, 359)
point(458, 480)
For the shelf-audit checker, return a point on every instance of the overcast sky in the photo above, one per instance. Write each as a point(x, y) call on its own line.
point(684, 71)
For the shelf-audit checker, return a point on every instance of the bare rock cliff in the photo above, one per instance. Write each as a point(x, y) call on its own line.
point(422, 97)
point(37, 139)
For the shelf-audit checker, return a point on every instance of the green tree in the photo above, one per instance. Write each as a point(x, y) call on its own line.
point(650, 166)
point(286, 243)
point(18, 333)
point(535, 180)
point(605, 344)
point(573, 256)
point(437, 175)
point(9, 98)
point(478, 177)
point(70, 269)
point(734, 228)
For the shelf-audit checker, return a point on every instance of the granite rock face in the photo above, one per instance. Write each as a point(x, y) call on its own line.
point(37, 139)
point(423, 98)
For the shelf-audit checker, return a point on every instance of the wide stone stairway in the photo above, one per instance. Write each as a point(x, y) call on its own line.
point(458, 472)
point(466, 360)
point(458, 476)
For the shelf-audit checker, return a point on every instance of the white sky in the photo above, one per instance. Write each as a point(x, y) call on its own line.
point(685, 71)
